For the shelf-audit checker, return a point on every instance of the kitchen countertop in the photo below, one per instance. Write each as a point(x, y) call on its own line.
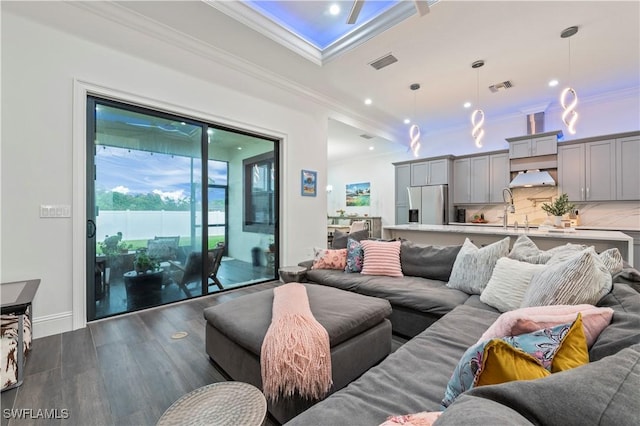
point(498, 230)
point(581, 227)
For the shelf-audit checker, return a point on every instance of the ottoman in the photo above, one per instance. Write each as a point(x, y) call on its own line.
point(358, 327)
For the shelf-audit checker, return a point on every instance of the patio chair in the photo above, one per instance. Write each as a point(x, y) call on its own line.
point(190, 272)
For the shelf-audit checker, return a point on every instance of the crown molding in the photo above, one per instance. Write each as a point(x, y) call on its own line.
point(120, 15)
point(378, 25)
point(253, 19)
point(256, 21)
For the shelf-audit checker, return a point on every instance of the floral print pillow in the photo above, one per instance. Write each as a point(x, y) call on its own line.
point(355, 256)
point(540, 346)
point(330, 259)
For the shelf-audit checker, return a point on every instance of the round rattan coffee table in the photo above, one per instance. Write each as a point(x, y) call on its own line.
point(224, 403)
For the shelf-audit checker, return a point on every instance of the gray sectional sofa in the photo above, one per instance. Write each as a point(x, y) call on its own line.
point(414, 378)
point(418, 299)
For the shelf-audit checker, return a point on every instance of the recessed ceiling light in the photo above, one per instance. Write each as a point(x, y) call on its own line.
point(368, 101)
point(371, 148)
point(407, 121)
point(467, 105)
point(334, 9)
point(553, 83)
point(239, 148)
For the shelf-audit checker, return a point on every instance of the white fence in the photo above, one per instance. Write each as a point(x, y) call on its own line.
point(140, 225)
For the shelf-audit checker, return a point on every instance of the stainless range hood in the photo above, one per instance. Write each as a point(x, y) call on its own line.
point(532, 178)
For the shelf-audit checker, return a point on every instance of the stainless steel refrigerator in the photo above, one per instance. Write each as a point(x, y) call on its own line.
point(432, 203)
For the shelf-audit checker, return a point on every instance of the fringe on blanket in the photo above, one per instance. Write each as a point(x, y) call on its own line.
point(295, 354)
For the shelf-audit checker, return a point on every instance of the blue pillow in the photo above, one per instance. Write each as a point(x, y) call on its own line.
point(355, 256)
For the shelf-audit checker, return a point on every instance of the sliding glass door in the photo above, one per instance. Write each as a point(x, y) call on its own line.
point(155, 233)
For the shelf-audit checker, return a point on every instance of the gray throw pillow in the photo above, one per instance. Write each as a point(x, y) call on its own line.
point(526, 250)
point(340, 238)
point(426, 261)
point(612, 260)
point(473, 266)
point(582, 278)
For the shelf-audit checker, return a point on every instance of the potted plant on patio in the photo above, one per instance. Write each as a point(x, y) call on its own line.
point(143, 263)
point(558, 208)
point(112, 247)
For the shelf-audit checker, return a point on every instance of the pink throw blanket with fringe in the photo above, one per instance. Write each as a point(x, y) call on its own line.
point(295, 354)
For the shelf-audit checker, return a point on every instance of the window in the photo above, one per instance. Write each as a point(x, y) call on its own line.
point(259, 179)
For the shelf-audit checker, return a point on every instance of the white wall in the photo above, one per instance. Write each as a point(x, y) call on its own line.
point(606, 114)
point(375, 170)
point(39, 65)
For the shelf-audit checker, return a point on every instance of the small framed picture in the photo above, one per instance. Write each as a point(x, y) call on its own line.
point(309, 183)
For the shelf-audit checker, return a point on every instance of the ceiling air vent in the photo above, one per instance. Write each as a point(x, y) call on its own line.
point(365, 136)
point(387, 59)
point(498, 87)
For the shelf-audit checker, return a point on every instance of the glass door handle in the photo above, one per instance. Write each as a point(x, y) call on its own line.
point(91, 228)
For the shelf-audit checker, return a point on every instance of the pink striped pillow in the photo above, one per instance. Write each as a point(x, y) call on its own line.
point(381, 258)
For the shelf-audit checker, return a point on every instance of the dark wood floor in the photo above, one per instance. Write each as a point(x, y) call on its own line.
point(125, 370)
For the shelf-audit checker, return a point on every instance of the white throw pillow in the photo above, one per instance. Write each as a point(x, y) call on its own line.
point(509, 281)
point(473, 266)
point(583, 278)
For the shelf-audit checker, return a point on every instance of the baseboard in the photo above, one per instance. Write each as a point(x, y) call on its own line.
point(52, 324)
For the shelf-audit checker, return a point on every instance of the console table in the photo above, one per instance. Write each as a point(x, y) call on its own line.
point(17, 298)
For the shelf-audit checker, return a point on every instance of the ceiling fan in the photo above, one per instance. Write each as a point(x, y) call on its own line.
point(422, 7)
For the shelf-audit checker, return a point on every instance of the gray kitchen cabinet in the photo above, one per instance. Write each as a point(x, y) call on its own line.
point(600, 170)
point(432, 172)
point(479, 182)
point(499, 176)
point(533, 146)
point(471, 180)
point(571, 171)
point(461, 188)
point(403, 181)
point(627, 170)
point(587, 171)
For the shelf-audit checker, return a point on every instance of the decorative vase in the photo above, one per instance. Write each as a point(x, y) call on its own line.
point(557, 221)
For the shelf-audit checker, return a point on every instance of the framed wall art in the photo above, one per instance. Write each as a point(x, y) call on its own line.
point(309, 183)
point(358, 194)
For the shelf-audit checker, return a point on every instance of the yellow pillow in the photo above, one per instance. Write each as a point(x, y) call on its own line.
point(503, 363)
point(524, 357)
point(573, 351)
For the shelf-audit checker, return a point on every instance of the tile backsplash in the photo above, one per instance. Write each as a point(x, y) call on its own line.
point(528, 202)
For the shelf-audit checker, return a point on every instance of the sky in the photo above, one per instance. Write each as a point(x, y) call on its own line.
point(140, 172)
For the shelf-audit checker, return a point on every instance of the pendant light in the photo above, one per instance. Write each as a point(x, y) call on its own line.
point(477, 116)
point(569, 114)
point(414, 130)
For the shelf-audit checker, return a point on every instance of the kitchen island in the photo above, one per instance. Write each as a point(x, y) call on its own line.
point(483, 235)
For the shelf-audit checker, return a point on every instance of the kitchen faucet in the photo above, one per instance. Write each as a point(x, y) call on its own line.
point(509, 207)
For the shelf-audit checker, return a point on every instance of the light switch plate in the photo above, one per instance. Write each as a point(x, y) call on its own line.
point(55, 210)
